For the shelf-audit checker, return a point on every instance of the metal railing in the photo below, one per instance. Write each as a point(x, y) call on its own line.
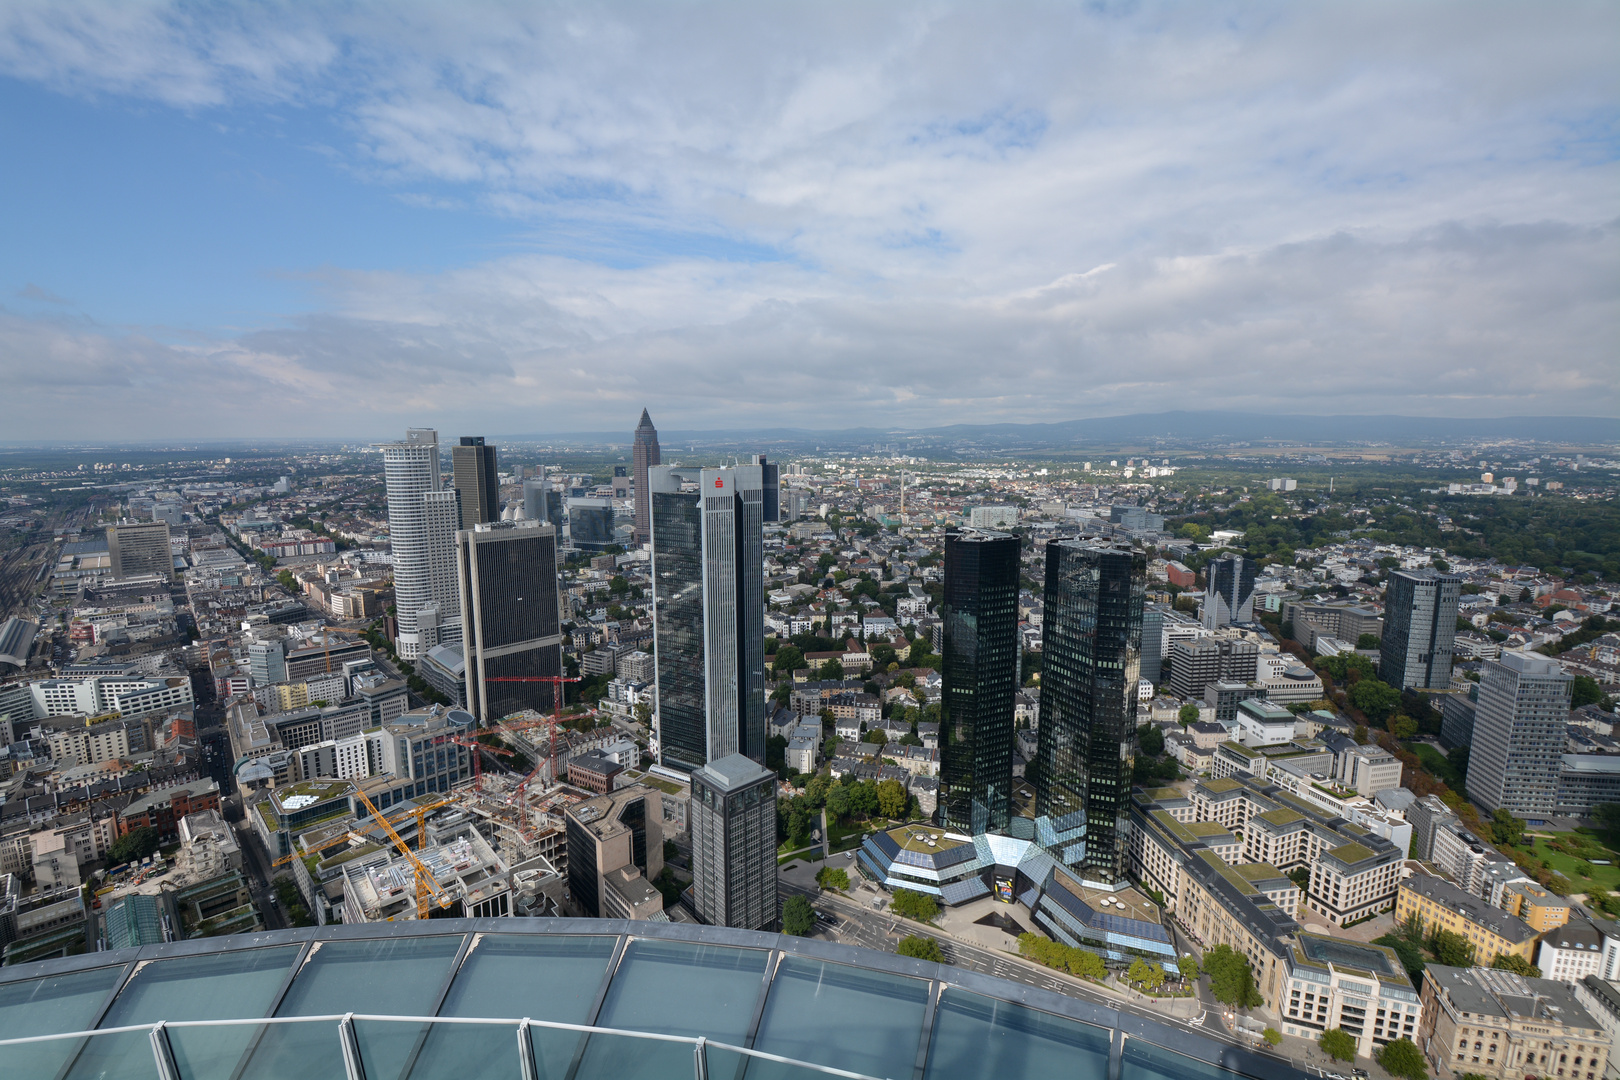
point(354, 1062)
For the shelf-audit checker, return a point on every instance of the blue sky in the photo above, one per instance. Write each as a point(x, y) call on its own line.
point(540, 217)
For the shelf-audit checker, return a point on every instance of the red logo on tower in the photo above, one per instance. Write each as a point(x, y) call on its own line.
point(719, 482)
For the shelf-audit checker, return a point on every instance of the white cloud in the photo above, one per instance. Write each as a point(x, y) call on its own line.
point(973, 211)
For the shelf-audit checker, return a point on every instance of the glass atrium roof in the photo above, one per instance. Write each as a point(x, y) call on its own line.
point(565, 999)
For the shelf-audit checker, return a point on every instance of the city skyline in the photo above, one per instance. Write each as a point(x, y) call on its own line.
point(394, 213)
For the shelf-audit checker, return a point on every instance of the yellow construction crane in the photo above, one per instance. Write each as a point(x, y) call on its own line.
point(417, 812)
point(426, 884)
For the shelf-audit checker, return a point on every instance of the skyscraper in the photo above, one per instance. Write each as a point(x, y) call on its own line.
point(1153, 643)
point(980, 676)
point(507, 573)
point(1420, 629)
point(645, 457)
point(733, 823)
point(770, 476)
point(541, 502)
point(1519, 734)
point(475, 475)
point(138, 548)
point(1091, 639)
point(708, 613)
point(1229, 595)
point(422, 523)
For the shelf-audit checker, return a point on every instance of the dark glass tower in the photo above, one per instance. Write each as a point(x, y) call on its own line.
point(1091, 640)
point(473, 470)
point(1229, 596)
point(708, 613)
point(980, 654)
point(644, 457)
point(510, 627)
point(1420, 629)
point(733, 823)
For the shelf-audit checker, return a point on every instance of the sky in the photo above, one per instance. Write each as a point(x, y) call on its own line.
point(337, 220)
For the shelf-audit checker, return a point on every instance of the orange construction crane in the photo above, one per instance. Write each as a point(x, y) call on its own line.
point(478, 760)
point(418, 812)
point(557, 682)
point(427, 886)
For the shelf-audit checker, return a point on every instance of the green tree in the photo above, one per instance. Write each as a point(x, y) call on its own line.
point(1367, 641)
point(288, 582)
point(1403, 727)
point(1272, 1036)
point(1506, 829)
point(1402, 1058)
point(798, 917)
point(838, 802)
point(1150, 739)
point(1586, 691)
point(1231, 979)
point(917, 906)
point(1608, 816)
point(1516, 964)
point(798, 825)
point(1085, 964)
point(921, 948)
point(1337, 1044)
point(1188, 967)
point(788, 658)
point(1451, 949)
point(892, 799)
point(815, 791)
point(1148, 976)
point(1375, 698)
point(832, 670)
point(135, 844)
point(833, 877)
point(1188, 714)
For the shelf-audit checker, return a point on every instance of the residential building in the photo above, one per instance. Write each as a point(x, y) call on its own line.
point(644, 455)
point(1572, 951)
point(1229, 592)
point(1331, 982)
point(993, 517)
point(733, 828)
point(1427, 815)
point(980, 666)
point(615, 853)
point(473, 470)
point(1504, 1026)
point(510, 617)
point(1517, 752)
point(708, 613)
point(422, 523)
point(1420, 624)
point(1492, 932)
point(139, 549)
point(162, 808)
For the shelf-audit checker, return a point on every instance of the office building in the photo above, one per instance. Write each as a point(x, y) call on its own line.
point(542, 502)
point(621, 482)
point(510, 625)
point(1196, 663)
point(590, 523)
point(733, 826)
point(708, 613)
point(615, 853)
point(1519, 734)
point(771, 481)
point(139, 549)
point(1420, 627)
point(980, 677)
point(1229, 594)
point(473, 471)
point(1495, 1024)
point(422, 522)
point(644, 456)
point(1153, 642)
point(1091, 641)
point(1437, 903)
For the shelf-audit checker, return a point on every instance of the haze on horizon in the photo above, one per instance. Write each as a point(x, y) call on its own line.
point(299, 220)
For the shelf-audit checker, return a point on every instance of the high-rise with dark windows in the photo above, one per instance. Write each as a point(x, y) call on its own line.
point(644, 456)
point(708, 613)
point(472, 469)
point(733, 826)
point(1091, 640)
point(1420, 629)
point(1229, 596)
point(510, 625)
point(980, 670)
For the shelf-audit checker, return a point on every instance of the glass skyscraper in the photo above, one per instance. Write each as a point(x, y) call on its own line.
point(1091, 641)
point(1420, 629)
point(1229, 596)
point(422, 521)
point(708, 613)
point(511, 627)
point(473, 470)
point(644, 456)
point(980, 670)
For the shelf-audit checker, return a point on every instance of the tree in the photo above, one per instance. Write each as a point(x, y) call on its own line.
point(917, 906)
point(1085, 964)
point(815, 791)
point(921, 948)
point(838, 801)
point(892, 799)
point(798, 825)
point(1402, 1058)
point(1451, 949)
point(1187, 715)
point(1506, 829)
point(833, 877)
point(1402, 726)
point(1272, 1036)
point(798, 917)
point(1147, 976)
point(1337, 1044)
point(1608, 816)
point(832, 670)
point(1375, 698)
point(1150, 739)
point(788, 658)
point(1586, 691)
point(135, 844)
point(1516, 964)
point(1188, 967)
point(1367, 641)
point(1231, 979)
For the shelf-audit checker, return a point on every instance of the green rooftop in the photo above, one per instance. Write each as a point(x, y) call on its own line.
point(1222, 786)
point(1241, 750)
point(1281, 817)
point(1352, 853)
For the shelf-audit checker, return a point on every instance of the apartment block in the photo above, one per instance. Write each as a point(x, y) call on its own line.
point(1501, 1025)
point(1492, 931)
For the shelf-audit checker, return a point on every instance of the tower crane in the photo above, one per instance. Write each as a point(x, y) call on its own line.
point(557, 682)
point(418, 812)
point(427, 886)
point(478, 767)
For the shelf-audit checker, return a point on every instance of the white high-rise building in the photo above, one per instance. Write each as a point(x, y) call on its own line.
point(1519, 734)
point(422, 522)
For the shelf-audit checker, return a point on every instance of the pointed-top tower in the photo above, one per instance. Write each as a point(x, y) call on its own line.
point(646, 455)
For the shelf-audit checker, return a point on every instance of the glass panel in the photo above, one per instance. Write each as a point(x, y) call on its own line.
point(865, 1021)
point(44, 1007)
point(1144, 1061)
point(222, 986)
point(399, 976)
point(981, 1037)
point(512, 975)
point(673, 988)
point(492, 1050)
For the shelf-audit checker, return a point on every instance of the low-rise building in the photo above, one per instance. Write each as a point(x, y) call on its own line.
point(1497, 1024)
point(1571, 951)
point(1336, 983)
point(1435, 902)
